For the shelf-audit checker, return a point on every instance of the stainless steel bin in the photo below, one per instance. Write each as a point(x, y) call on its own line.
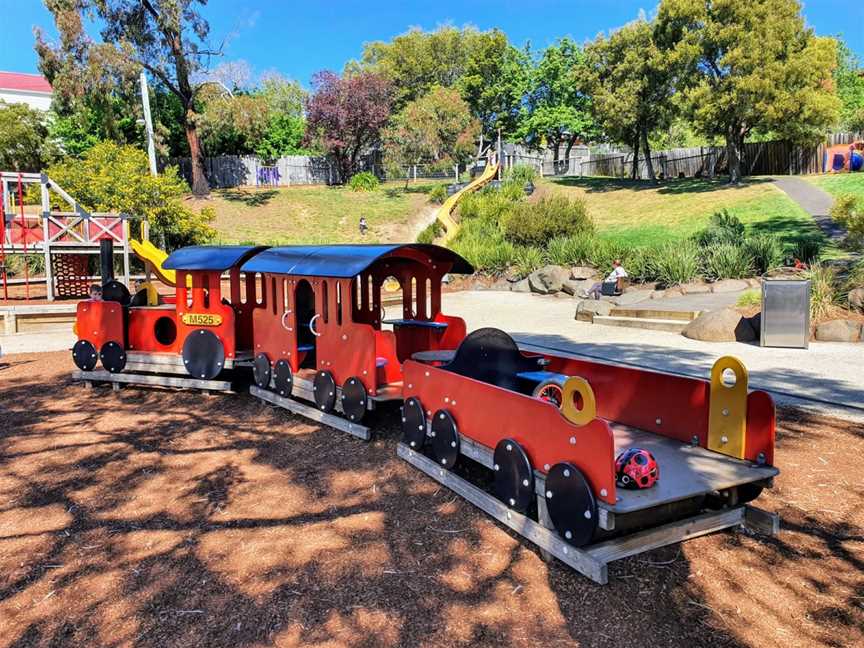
point(785, 313)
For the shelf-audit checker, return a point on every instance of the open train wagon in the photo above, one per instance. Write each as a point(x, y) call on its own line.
point(531, 437)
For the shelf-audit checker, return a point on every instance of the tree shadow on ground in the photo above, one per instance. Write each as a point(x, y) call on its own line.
point(671, 187)
point(250, 197)
point(165, 518)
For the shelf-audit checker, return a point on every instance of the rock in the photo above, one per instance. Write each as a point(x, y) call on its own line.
point(839, 330)
point(500, 284)
point(548, 279)
point(725, 325)
point(562, 295)
point(729, 285)
point(581, 273)
point(756, 323)
point(856, 300)
point(588, 308)
point(633, 297)
point(754, 282)
point(576, 288)
point(658, 294)
point(521, 286)
point(695, 289)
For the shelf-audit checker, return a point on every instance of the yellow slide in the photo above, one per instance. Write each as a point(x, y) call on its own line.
point(445, 213)
point(155, 257)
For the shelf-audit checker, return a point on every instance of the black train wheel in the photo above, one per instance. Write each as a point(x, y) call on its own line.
point(261, 370)
point(84, 355)
point(571, 504)
point(203, 354)
point(324, 388)
point(514, 477)
point(445, 439)
point(354, 399)
point(113, 357)
point(283, 378)
point(413, 424)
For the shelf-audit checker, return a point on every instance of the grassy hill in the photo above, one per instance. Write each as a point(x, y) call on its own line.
point(640, 213)
point(840, 183)
point(303, 214)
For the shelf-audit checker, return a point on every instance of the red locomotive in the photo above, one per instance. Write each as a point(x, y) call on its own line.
point(309, 321)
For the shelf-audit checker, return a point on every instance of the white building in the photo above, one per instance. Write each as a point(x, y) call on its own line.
point(31, 89)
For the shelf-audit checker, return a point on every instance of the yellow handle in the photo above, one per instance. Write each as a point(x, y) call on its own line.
point(727, 411)
point(578, 415)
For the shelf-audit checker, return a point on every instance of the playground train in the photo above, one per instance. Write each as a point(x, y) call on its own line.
point(309, 321)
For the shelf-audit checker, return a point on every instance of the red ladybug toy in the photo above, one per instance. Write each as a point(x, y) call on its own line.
point(636, 468)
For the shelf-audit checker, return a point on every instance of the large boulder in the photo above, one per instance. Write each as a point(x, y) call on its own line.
point(725, 325)
point(548, 279)
point(581, 273)
point(839, 330)
point(729, 285)
point(695, 289)
point(576, 288)
point(588, 308)
point(521, 286)
point(856, 300)
point(756, 323)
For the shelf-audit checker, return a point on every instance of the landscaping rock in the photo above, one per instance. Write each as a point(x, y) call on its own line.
point(756, 323)
point(856, 300)
point(695, 289)
point(725, 325)
point(499, 284)
point(839, 330)
point(521, 286)
point(658, 294)
point(729, 285)
point(548, 279)
point(581, 273)
point(588, 308)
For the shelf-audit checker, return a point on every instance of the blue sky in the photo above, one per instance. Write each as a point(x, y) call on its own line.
point(300, 38)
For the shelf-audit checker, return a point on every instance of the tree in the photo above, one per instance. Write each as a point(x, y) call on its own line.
point(850, 88)
point(117, 178)
point(346, 114)
point(755, 68)
point(24, 141)
point(165, 37)
point(633, 83)
point(436, 128)
point(559, 111)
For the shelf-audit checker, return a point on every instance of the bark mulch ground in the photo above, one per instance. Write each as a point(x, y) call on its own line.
point(167, 518)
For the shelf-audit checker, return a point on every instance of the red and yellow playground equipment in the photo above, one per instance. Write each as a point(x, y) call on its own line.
point(843, 158)
point(529, 435)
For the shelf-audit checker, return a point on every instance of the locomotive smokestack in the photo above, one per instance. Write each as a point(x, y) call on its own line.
point(106, 260)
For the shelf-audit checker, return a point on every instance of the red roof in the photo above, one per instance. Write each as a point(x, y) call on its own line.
point(24, 82)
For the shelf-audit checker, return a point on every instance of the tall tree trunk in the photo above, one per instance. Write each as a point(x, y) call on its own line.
point(647, 152)
point(634, 174)
point(733, 154)
point(200, 186)
point(570, 143)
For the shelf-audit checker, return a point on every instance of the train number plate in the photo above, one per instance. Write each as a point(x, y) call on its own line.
point(201, 319)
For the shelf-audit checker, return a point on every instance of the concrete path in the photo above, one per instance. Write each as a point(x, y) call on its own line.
point(821, 378)
point(37, 342)
point(814, 201)
point(702, 302)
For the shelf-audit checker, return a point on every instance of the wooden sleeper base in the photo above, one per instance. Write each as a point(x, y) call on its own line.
point(152, 380)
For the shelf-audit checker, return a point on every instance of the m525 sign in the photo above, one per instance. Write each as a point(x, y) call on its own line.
point(201, 319)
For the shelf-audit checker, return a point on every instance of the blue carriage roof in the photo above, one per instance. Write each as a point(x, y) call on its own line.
point(342, 260)
point(210, 257)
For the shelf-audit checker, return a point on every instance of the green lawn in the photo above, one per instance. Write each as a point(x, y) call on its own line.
point(840, 183)
point(641, 213)
point(292, 215)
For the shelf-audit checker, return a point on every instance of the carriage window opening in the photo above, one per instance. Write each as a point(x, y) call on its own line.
point(185, 279)
point(205, 287)
point(325, 312)
point(273, 295)
point(242, 282)
point(259, 288)
point(284, 295)
point(429, 298)
point(371, 294)
point(339, 303)
point(391, 298)
point(413, 313)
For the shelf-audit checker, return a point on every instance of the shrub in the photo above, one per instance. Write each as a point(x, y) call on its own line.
point(676, 263)
point(438, 194)
point(527, 259)
point(641, 263)
point(848, 211)
point(722, 228)
point(727, 261)
point(490, 255)
point(538, 223)
point(806, 248)
point(117, 178)
point(365, 181)
point(766, 251)
point(520, 174)
point(823, 290)
point(749, 298)
point(604, 252)
point(431, 232)
point(570, 250)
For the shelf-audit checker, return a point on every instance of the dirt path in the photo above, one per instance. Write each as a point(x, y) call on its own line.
point(159, 518)
point(409, 231)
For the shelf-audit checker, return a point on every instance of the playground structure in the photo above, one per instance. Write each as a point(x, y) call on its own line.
point(307, 325)
point(445, 212)
point(844, 158)
point(65, 238)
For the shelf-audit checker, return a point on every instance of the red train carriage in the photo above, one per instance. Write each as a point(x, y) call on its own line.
point(318, 332)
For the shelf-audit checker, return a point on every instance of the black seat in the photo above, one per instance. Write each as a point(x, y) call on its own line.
point(490, 355)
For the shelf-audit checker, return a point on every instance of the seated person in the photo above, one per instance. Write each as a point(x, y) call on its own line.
point(611, 282)
point(96, 292)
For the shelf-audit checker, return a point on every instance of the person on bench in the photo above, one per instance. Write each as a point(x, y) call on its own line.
point(612, 284)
